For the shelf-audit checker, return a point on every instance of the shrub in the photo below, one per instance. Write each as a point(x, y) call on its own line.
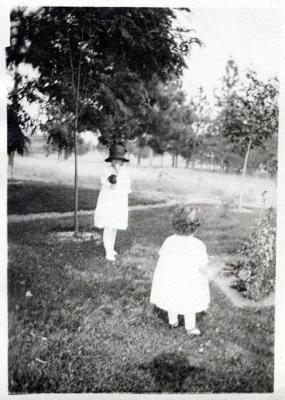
point(254, 274)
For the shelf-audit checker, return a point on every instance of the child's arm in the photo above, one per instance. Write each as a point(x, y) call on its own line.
point(204, 268)
point(125, 181)
point(105, 182)
point(128, 184)
point(204, 262)
point(162, 250)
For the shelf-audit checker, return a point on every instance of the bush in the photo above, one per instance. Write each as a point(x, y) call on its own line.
point(254, 274)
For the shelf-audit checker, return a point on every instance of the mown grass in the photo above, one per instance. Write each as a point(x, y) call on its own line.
point(36, 197)
point(89, 326)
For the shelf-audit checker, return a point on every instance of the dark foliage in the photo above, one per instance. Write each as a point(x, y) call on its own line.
point(95, 62)
point(17, 140)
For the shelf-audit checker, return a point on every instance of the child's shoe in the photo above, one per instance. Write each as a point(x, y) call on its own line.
point(110, 257)
point(194, 331)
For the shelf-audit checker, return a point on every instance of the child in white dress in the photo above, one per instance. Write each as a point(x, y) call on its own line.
point(180, 284)
point(111, 211)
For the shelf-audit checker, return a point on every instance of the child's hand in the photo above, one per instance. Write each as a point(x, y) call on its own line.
point(112, 179)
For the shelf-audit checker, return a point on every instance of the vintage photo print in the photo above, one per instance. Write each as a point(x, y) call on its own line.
point(142, 199)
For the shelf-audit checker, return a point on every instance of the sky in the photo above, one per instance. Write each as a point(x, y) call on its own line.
point(252, 36)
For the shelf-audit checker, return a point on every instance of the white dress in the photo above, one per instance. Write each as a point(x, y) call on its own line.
point(178, 284)
point(112, 204)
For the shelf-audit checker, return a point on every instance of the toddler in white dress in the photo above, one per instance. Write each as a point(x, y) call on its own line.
point(180, 284)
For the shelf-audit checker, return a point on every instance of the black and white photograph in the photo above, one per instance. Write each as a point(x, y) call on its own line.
point(142, 173)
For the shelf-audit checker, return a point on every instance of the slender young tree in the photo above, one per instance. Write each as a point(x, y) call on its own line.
point(96, 62)
point(248, 113)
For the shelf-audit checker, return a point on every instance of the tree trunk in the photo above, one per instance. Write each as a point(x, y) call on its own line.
point(151, 154)
point(193, 153)
point(243, 174)
point(187, 162)
point(11, 164)
point(212, 162)
point(173, 159)
point(161, 161)
point(75, 152)
point(225, 166)
point(140, 151)
point(75, 177)
point(76, 98)
point(176, 158)
point(139, 160)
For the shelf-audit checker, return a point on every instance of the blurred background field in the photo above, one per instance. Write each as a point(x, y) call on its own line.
point(153, 183)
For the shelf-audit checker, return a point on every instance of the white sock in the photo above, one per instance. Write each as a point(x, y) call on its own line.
point(114, 232)
point(172, 318)
point(190, 321)
point(107, 241)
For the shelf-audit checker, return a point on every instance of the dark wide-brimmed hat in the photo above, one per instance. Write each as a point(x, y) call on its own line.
point(117, 152)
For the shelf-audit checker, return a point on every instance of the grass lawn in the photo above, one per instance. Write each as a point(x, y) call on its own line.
point(89, 326)
point(36, 197)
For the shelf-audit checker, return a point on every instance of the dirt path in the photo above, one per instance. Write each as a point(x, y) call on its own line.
point(12, 218)
point(51, 215)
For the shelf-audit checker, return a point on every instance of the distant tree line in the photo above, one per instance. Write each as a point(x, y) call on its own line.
point(240, 133)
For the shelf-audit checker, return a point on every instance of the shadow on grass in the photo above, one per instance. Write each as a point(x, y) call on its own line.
point(40, 197)
point(169, 371)
point(173, 373)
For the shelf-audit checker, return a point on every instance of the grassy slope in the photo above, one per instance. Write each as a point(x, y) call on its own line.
point(89, 326)
point(36, 197)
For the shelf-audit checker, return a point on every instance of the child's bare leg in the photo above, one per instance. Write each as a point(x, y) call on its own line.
point(173, 319)
point(190, 324)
